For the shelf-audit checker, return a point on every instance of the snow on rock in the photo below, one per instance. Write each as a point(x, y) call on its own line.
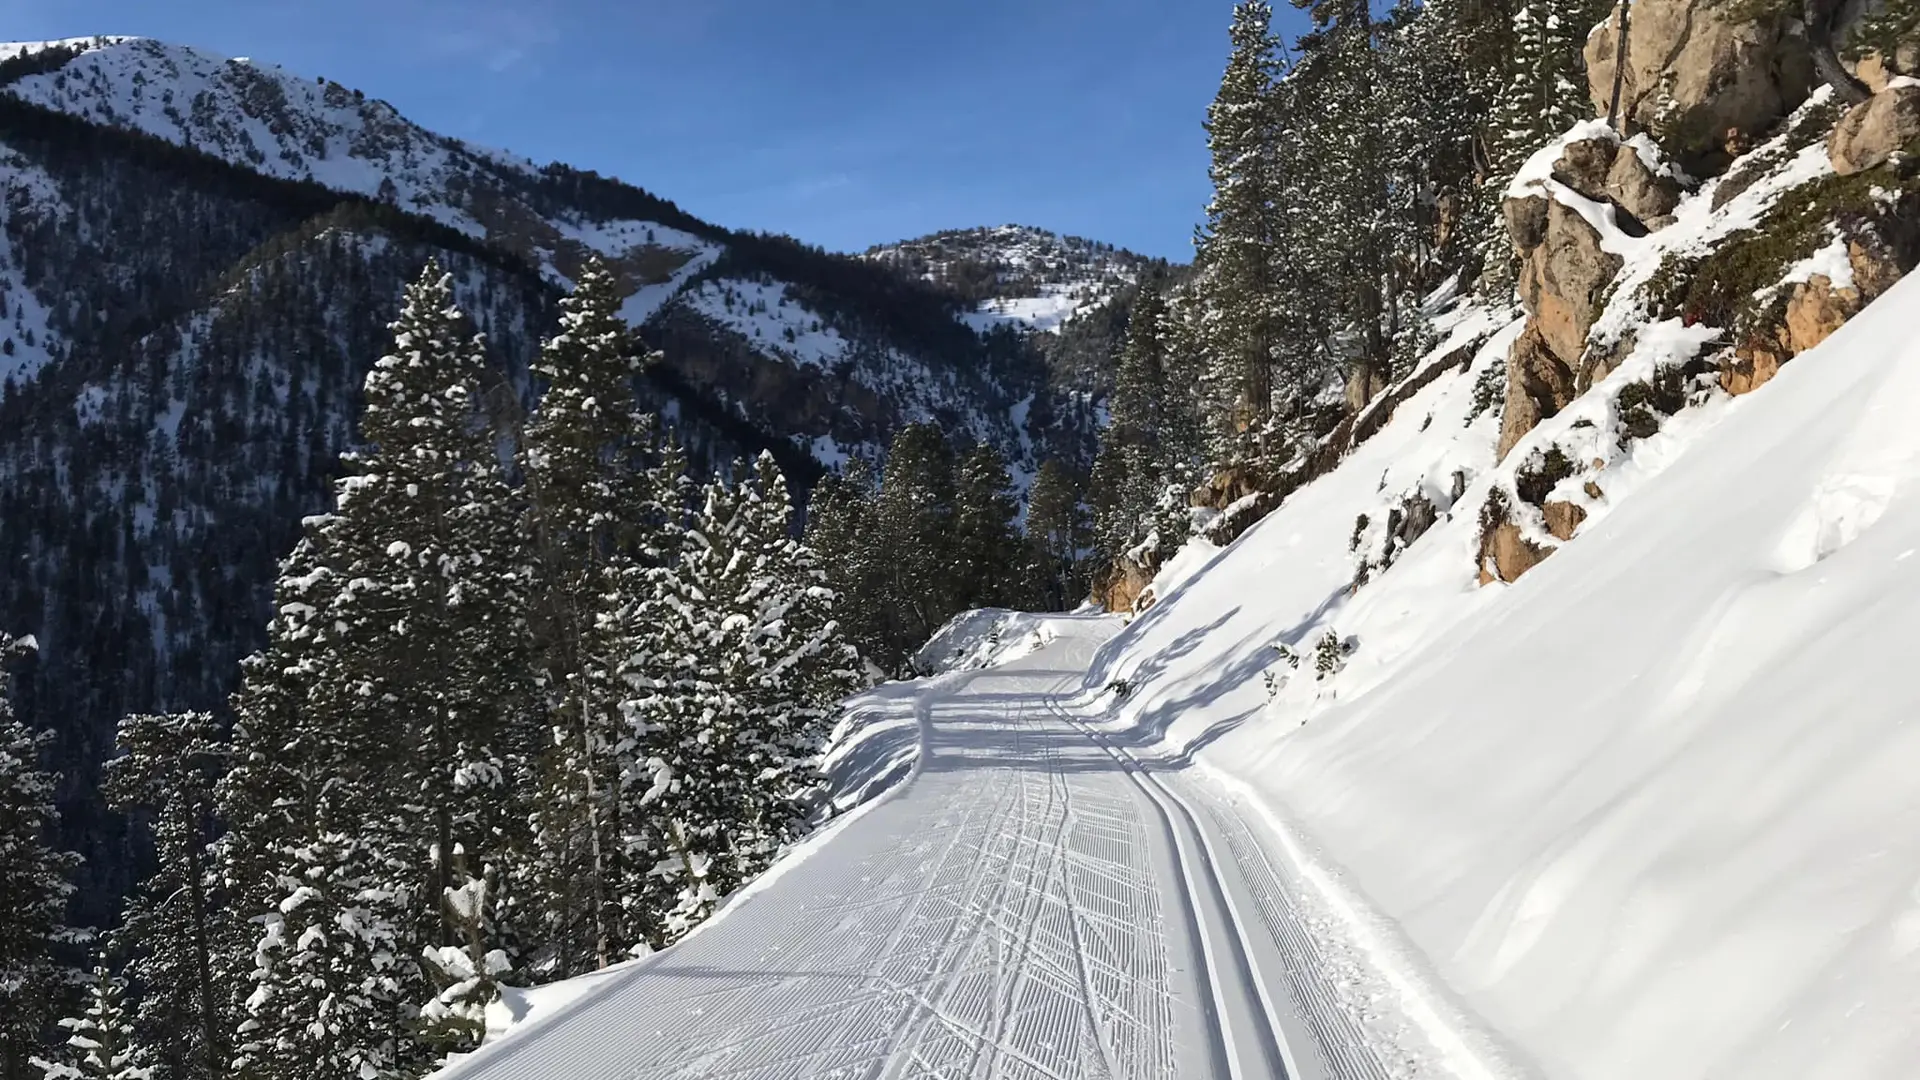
point(1648, 812)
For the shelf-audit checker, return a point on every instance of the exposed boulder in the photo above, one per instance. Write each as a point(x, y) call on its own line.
point(1875, 70)
point(1872, 130)
point(1539, 385)
point(1815, 308)
point(1564, 276)
point(1754, 364)
point(1640, 190)
point(1505, 553)
point(1699, 71)
point(1563, 518)
point(1228, 486)
point(1119, 589)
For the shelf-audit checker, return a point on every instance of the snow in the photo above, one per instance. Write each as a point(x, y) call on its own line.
point(991, 637)
point(1670, 766)
point(1034, 901)
point(262, 117)
point(763, 313)
point(647, 300)
point(1045, 313)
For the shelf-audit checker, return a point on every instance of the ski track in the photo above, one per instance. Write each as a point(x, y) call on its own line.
point(1035, 904)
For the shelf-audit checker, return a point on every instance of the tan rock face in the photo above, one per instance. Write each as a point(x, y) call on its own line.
point(1539, 384)
point(1698, 69)
point(1563, 279)
point(1872, 130)
point(1563, 519)
point(1227, 487)
point(1875, 70)
point(1119, 589)
point(1754, 364)
point(1505, 554)
point(1637, 189)
point(1814, 311)
point(1876, 265)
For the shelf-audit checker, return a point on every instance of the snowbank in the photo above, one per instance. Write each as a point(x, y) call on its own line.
point(1649, 812)
point(989, 637)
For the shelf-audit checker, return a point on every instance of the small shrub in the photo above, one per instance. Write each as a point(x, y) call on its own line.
point(1329, 656)
point(1542, 473)
point(1120, 688)
point(1359, 529)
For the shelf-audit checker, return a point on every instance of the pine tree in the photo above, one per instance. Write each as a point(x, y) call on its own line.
point(430, 617)
point(913, 526)
point(986, 536)
point(1057, 537)
point(689, 715)
point(330, 980)
point(1545, 91)
point(800, 662)
point(582, 458)
point(35, 880)
point(1236, 245)
point(102, 1045)
point(168, 767)
point(840, 531)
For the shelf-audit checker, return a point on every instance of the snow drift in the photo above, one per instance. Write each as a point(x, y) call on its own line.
point(1648, 812)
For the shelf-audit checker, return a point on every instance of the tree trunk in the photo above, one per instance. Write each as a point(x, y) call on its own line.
point(1817, 16)
point(202, 951)
point(1619, 69)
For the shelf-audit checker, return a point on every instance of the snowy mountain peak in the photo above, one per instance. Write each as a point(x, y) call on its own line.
point(1019, 275)
point(266, 119)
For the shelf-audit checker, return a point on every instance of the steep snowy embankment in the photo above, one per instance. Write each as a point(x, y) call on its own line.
point(1648, 812)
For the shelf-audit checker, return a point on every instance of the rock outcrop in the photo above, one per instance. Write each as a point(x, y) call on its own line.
point(1873, 130)
point(1120, 589)
point(1699, 70)
point(1505, 553)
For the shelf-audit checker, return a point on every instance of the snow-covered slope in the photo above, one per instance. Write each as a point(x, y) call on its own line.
point(1017, 275)
point(1647, 812)
point(272, 121)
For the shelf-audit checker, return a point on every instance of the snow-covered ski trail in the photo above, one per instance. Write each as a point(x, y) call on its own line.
point(1033, 903)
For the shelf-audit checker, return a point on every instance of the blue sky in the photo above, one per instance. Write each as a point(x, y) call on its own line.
point(843, 122)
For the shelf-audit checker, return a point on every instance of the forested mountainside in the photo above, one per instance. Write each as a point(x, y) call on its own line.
point(1663, 207)
point(1079, 292)
point(199, 258)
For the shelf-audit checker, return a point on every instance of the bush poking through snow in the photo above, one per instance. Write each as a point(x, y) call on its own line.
point(1329, 656)
point(1543, 471)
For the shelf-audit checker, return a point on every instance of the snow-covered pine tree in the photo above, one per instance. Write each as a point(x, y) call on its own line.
point(1236, 245)
point(35, 882)
point(1545, 90)
point(799, 664)
point(431, 618)
point(840, 532)
point(686, 789)
point(587, 513)
point(986, 536)
point(167, 768)
point(101, 1044)
point(332, 987)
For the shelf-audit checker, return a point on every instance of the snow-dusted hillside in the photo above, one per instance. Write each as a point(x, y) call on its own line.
point(856, 352)
point(1017, 275)
point(1646, 812)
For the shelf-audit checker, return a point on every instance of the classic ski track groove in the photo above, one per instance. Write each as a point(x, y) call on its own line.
point(1034, 903)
